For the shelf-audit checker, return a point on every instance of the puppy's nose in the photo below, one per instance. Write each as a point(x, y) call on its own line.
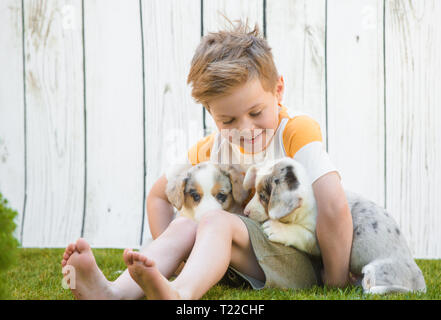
point(246, 212)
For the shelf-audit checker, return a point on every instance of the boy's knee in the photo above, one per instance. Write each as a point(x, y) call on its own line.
point(184, 224)
point(215, 218)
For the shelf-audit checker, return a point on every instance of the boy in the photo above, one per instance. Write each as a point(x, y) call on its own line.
point(234, 77)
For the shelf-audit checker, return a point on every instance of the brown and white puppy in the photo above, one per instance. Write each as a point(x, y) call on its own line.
point(194, 190)
point(284, 203)
point(284, 199)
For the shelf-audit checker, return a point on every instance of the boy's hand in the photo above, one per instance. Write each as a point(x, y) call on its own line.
point(334, 229)
point(353, 279)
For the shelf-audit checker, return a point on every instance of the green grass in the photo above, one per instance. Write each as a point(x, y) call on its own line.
point(37, 275)
point(8, 244)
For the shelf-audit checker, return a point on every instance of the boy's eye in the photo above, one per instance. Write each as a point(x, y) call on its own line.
point(251, 114)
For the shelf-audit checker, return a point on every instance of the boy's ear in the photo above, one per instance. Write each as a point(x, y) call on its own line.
point(250, 178)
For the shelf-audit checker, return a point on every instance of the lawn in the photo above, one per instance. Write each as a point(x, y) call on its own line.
point(37, 276)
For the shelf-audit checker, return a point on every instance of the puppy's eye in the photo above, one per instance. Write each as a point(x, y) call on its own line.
point(262, 197)
point(221, 197)
point(196, 197)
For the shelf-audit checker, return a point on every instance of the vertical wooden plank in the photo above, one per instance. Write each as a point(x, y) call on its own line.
point(356, 94)
point(173, 123)
point(413, 121)
point(12, 166)
point(296, 33)
point(233, 10)
point(114, 106)
point(55, 122)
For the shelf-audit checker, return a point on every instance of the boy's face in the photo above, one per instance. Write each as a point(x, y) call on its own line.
point(249, 109)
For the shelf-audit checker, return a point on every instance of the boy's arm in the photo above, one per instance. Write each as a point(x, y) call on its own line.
point(159, 210)
point(302, 139)
point(334, 229)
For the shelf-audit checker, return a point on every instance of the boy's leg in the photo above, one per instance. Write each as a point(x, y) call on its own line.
point(222, 239)
point(169, 249)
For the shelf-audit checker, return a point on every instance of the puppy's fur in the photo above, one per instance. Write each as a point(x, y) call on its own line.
point(284, 201)
point(194, 190)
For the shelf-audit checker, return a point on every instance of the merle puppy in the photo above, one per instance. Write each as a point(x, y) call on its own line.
point(194, 190)
point(284, 202)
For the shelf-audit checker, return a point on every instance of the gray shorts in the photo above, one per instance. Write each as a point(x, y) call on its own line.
point(284, 267)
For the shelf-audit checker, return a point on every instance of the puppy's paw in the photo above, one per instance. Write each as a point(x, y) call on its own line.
point(274, 231)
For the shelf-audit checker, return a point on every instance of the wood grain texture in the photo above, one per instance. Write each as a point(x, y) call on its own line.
point(12, 149)
point(233, 10)
point(173, 120)
point(114, 106)
point(356, 94)
point(296, 33)
point(413, 101)
point(55, 122)
point(373, 138)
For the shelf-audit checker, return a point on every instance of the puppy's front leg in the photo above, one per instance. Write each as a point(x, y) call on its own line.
point(294, 235)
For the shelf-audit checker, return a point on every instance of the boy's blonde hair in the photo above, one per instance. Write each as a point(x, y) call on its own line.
point(229, 58)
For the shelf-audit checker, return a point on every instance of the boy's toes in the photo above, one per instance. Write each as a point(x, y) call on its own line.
point(143, 259)
point(137, 257)
point(82, 245)
point(70, 249)
point(128, 257)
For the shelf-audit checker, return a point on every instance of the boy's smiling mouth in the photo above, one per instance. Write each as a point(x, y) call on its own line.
point(252, 140)
point(246, 136)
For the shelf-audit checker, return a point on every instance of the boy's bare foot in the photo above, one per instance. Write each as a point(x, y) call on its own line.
point(148, 277)
point(86, 281)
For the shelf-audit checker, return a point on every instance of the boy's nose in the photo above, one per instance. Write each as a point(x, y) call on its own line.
point(246, 125)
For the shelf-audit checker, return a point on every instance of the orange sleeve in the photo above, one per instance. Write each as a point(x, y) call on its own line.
point(200, 151)
point(300, 131)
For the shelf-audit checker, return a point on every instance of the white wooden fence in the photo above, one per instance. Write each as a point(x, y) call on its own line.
point(94, 103)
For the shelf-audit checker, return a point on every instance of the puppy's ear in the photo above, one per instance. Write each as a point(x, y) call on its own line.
point(250, 178)
point(176, 170)
point(284, 197)
point(234, 173)
point(282, 203)
point(176, 181)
